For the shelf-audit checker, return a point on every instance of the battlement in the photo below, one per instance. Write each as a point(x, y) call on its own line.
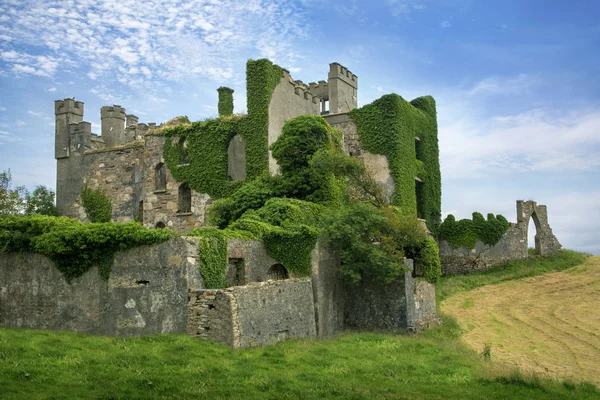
point(131, 120)
point(80, 128)
point(338, 71)
point(304, 92)
point(68, 106)
point(321, 89)
point(114, 111)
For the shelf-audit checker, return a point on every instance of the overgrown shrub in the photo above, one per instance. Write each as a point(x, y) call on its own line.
point(74, 246)
point(466, 232)
point(97, 206)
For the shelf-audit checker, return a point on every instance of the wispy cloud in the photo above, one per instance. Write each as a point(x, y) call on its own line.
point(403, 8)
point(445, 24)
point(504, 85)
point(146, 41)
point(2, 108)
point(536, 140)
point(35, 113)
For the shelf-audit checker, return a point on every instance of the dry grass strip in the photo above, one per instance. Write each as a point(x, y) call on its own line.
point(548, 324)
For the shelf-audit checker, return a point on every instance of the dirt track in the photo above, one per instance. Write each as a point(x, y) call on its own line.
point(548, 324)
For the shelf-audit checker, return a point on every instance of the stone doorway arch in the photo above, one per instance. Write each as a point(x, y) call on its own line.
point(545, 241)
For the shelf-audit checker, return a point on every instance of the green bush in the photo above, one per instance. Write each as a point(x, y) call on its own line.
point(465, 233)
point(429, 259)
point(97, 206)
point(74, 246)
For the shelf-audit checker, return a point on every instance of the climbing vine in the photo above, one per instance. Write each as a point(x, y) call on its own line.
point(466, 232)
point(225, 105)
point(74, 246)
point(389, 126)
point(204, 168)
point(96, 204)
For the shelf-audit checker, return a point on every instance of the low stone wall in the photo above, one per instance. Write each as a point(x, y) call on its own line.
point(145, 294)
point(257, 314)
point(461, 260)
point(512, 246)
point(373, 304)
point(424, 314)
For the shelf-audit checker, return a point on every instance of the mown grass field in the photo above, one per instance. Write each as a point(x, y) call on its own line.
point(37, 364)
point(548, 324)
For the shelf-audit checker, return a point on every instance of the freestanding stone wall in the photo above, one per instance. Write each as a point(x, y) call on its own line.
point(259, 313)
point(512, 246)
point(145, 294)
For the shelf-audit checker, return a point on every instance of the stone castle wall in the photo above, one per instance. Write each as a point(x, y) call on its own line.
point(512, 246)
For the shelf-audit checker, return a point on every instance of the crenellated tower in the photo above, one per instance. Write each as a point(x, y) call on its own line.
point(113, 125)
point(343, 89)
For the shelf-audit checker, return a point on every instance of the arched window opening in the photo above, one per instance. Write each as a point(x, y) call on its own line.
point(184, 204)
point(236, 158)
point(183, 151)
point(533, 231)
point(160, 177)
point(277, 272)
point(160, 225)
point(140, 212)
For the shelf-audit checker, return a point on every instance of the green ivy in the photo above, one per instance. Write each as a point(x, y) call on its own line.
point(97, 205)
point(74, 246)
point(388, 126)
point(225, 101)
point(212, 250)
point(466, 232)
point(430, 261)
point(204, 168)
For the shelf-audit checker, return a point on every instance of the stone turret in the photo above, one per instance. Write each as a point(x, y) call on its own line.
point(343, 87)
point(113, 125)
point(66, 112)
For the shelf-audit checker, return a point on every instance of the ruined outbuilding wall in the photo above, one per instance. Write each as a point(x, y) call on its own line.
point(512, 246)
point(145, 294)
point(401, 305)
point(260, 313)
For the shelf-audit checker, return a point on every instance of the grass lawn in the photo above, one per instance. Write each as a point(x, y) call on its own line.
point(37, 364)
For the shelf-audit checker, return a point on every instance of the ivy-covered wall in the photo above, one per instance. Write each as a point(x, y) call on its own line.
point(204, 165)
point(225, 106)
point(389, 126)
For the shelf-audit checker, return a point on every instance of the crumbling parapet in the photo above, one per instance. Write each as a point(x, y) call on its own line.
point(545, 241)
point(512, 246)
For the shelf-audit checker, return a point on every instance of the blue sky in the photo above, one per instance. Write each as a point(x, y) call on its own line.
point(516, 81)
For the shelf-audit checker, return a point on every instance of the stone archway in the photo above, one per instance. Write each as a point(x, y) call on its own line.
point(277, 272)
point(545, 241)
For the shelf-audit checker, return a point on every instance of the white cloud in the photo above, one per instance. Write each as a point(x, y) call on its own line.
point(504, 85)
point(535, 140)
point(52, 89)
point(4, 133)
point(20, 123)
point(2, 108)
point(445, 24)
point(403, 8)
point(152, 41)
point(35, 114)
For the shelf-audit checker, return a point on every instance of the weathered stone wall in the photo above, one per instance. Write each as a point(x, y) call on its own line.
point(160, 205)
point(512, 246)
point(145, 294)
point(424, 305)
point(254, 259)
point(112, 171)
point(289, 99)
point(328, 290)
point(373, 304)
point(376, 164)
point(256, 314)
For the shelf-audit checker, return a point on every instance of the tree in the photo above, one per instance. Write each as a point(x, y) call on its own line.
point(12, 201)
point(41, 201)
point(15, 201)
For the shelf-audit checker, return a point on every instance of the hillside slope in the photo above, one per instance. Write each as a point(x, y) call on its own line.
point(548, 324)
